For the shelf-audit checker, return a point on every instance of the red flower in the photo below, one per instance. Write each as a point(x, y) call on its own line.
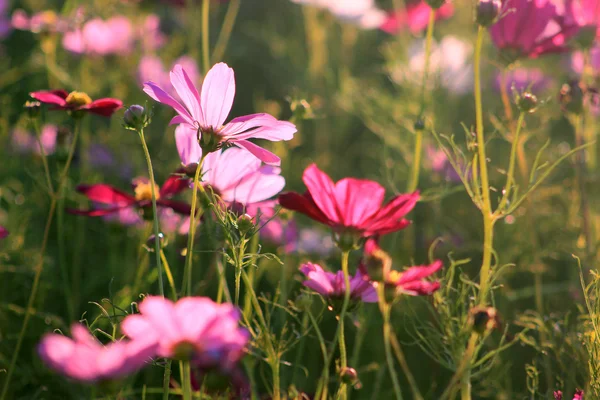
point(117, 200)
point(77, 101)
point(350, 205)
point(3, 232)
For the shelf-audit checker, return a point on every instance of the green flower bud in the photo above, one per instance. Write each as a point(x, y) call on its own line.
point(487, 11)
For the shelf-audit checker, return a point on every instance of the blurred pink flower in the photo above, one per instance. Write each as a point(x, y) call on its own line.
point(193, 328)
point(77, 102)
point(586, 13)
point(25, 142)
point(3, 232)
point(522, 79)
point(332, 285)
point(84, 359)
point(150, 35)
point(98, 37)
point(5, 22)
point(363, 13)
point(207, 111)
point(531, 28)
point(351, 205)
point(441, 165)
point(151, 68)
point(578, 61)
point(415, 17)
point(43, 21)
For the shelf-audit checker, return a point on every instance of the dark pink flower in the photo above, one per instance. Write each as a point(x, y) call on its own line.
point(207, 111)
point(578, 395)
point(415, 17)
point(351, 205)
point(193, 328)
point(586, 14)
point(3, 232)
point(85, 359)
point(332, 285)
point(530, 28)
point(98, 37)
point(115, 200)
point(77, 102)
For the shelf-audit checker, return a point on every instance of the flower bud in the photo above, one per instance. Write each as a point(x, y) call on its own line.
point(33, 108)
point(245, 224)
point(558, 395)
point(419, 124)
point(527, 102)
point(390, 292)
point(435, 4)
point(487, 11)
point(571, 97)
point(136, 118)
point(378, 265)
point(347, 240)
point(585, 37)
point(483, 319)
point(304, 302)
point(349, 376)
point(162, 242)
point(190, 170)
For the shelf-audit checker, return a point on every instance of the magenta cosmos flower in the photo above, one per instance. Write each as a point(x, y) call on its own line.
point(353, 206)
point(193, 328)
point(77, 102)
point(43, 21)
point(3, 232)
point(415, 17)
point(207, 111)
point(586, 14)
point(84, 359)
point(530, 28)
point(333, 286)
point(116, 200)
point(98, 37)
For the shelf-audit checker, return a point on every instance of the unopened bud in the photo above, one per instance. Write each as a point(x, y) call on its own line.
point(558, 395)
point(419, 124)
point(487, 11)
point(151, 243)
point(349, 376)
point(571, 97)
point(136, 118)
point(435, 4)
point(527, 102)
point(348, 240)
point(33, 108)
point(245, 224)
point(378, 265)
point(190, 170)
point(484, 319)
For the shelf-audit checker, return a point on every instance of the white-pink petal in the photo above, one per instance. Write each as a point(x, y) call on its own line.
point(262, 154)
point(216, 98)
point(187, 92)
point(188, 148)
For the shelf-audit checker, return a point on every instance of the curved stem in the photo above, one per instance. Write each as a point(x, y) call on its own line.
point(39, 267)
point(38, 136)
point(387, 331)
point(402, 361)
point(226, 29)
point(510, 176)
point(169, 275)
point(321, 392)
point(205, 35)
point(342, 339)
point(157, 250)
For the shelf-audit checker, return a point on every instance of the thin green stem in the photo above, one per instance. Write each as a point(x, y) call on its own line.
point(187, 381)
point(38, 268)
point(321, 393)
point(387, 333)
point(38, 136)
point(301, 345)
point(510, 176)
point(62, 257)
point(403, 364)
point(166, 380)
point(251, 274)
point(581, 173)
point(187, 275)
point(155, 226)
point(205, 35)
point(170, 279)
point(342, 339)
point(232, 12)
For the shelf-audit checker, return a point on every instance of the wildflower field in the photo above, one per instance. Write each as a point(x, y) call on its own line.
point(299, 199)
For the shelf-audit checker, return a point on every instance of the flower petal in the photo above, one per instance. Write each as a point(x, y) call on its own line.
point(187, 144)
point(174, 185)
point(177, 206)
point(161, 96)
point(259, 126)
point(218, 91)
point(187, 92)
point(357, 200)
point(51, 97)
point(322, 190)
point(105, 107)
point(262, 154)
point(106, 194)
point(303, 204)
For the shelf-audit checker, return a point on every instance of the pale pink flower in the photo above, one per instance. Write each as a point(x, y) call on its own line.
point(99, 37)
point(5, 22)
point(207, 111)
point(193, 328)
point(363, 13)
point(85, 359)
point(150, 35)
point(414, 18)
point(26, 142)
point(333, 286)
point(151, 68)
point(43, 21)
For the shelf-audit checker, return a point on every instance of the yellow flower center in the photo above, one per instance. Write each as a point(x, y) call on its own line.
point(393, 276)
point(143, 191)
point(49, 17)
point(78, 99)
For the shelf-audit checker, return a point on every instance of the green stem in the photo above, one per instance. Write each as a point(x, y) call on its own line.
point(226, 29)
point(387, 333)
point(169, 275)
point(342, 339)
point(301, 345)
point(205, 35)
point(38, 136)
point(321, 393)
point(166, 380)
point(402, 361)
point(511, 165)
point(253, 249)
point(187, 275)
point(581, 173)
point(157, 233)
point(187, 381)
point(416, 166)
point(38, 268)
point(62, 257)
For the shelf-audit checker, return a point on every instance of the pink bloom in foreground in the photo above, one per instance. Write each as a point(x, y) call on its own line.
point(333, 285)
point(3, 232)
point(207, 111)
point(350, 205)
point(193, 328)
point(151, 68)
point(77, 102)
point(115, 200)
point(414, 18)
point(586, 14)
point(531, 28)
point(98, 37)
point(85, 359)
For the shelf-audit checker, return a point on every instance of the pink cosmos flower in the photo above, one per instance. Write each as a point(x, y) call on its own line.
point(415, 17)
point(115, 200)
point(577, 61)
point(522, 79)
point(363, 13)
point(193, 328)
point(5, 23)
point(151, 68)
point(77, 102)
point(84, 359)
point(3, 232)
point(25, 142)
point(98, 37)
point(586, 13)
point(332, 285)
point(531, 28)
point(207, 111)
point(43, 21)
point(350, 205)
point(150, 35)
point(441, 165)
